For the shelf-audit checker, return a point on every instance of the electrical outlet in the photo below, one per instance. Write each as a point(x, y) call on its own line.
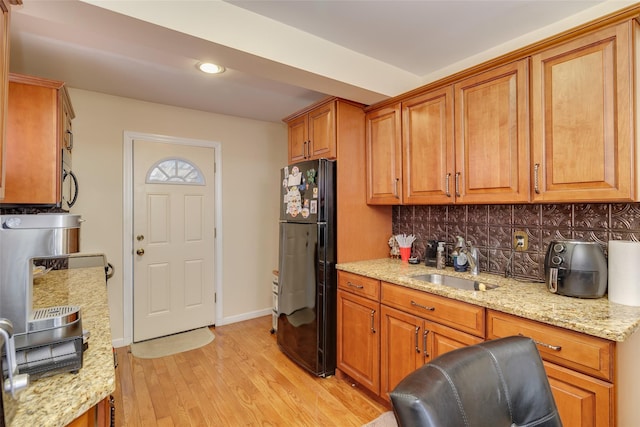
point(520, 240)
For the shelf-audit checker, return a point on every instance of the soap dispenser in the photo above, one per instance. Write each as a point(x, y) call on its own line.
point(460, 261)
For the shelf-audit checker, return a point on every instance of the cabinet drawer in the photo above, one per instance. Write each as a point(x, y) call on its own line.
point(359, 285)
point(580, 352)
point(459, 315)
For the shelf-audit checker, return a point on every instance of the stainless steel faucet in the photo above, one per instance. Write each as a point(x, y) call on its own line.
point(472, 255)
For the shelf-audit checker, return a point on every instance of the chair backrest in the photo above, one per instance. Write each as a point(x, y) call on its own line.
point(493, 384)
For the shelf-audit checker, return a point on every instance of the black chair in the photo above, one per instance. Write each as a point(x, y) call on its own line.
point(493, 384)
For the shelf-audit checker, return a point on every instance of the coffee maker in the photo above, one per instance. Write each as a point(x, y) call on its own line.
point(47, 340)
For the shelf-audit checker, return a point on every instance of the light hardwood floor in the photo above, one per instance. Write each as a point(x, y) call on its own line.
point(239, 379)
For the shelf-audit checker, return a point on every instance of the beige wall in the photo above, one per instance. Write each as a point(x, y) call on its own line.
point(252, 153)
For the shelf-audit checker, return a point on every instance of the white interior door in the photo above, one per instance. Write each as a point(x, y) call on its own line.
point(174, 238)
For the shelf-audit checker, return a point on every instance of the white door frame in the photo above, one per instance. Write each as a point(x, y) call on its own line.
point(127, 222)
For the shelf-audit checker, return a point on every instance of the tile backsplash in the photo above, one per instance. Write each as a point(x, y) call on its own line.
point(490, 228)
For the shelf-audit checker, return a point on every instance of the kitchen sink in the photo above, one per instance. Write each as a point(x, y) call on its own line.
point(455, 282)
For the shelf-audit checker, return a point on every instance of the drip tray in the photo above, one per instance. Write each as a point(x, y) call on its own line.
point(53, 317)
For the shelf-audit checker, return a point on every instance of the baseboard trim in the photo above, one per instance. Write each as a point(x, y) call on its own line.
point(121, 342)
point(245, 316)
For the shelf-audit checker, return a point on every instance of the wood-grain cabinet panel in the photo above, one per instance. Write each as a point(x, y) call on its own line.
point(456, 314)
point(581, 399)
point(590, 355)
point(384, 156)
point(480, 154)
point(359, 285)
point(38, 132)
point(428, 147)
point(312, 135)
point(492, 136)
point(409, 341)
point(358, 329)
point(583, 118)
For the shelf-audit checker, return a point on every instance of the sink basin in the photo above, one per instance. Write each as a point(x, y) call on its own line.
point(455, 282)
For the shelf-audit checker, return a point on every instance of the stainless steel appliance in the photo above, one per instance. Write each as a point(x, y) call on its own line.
point(50, 339)
point(306, 329)
point(577, 269)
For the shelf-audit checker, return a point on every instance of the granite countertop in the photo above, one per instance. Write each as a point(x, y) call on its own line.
point(59, 399)
point(531, 300)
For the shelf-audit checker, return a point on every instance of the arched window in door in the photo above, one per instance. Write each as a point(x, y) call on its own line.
point(175, 171)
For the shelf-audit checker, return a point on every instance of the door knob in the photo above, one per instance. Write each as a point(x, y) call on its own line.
point(140, 251)
point(139, 237)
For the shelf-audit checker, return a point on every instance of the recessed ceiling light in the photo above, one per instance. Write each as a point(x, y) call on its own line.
point(210, 68)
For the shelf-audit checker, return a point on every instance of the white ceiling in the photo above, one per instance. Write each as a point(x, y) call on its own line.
point(280, 55)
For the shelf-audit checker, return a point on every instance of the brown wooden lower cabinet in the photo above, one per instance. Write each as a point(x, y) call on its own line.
point(382, 337)
point(358, 339)
point(579, 367)
point(408, 342)
point(582, 400)
point(97, 416)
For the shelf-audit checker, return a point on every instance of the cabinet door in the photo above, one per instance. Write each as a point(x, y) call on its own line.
point(582, 112)
point(384, 156)
point(442, 339)
point(32, 154)
point(298, 139)
point(4, 82)
point(428, 160)
point(403, 347)
point(358, 342)
point(322, 132)
point(492, 136)
point(581, 400)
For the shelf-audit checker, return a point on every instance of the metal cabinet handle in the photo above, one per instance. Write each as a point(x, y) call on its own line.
point(457, 184)
point(424, 342)
point(536, 174)
point(304, 150)
point(395, 188)
point(373, 325)
point(545, 345)
point(69, 146)
point(415, 304)
point(446, 185)
point(417, 347)
point(355, 286)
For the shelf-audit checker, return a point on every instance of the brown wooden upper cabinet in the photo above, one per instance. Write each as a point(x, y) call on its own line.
point(312, 135)
point(462, 143)
point(38, 137)
point(428, 147)
point(583, 118)
point(492, 136)
point(384, 156)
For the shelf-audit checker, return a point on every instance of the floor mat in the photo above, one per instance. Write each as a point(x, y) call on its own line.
point(172, 344)
point(387, 419)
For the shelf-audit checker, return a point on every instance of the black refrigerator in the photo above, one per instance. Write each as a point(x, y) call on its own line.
point(307, 257)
